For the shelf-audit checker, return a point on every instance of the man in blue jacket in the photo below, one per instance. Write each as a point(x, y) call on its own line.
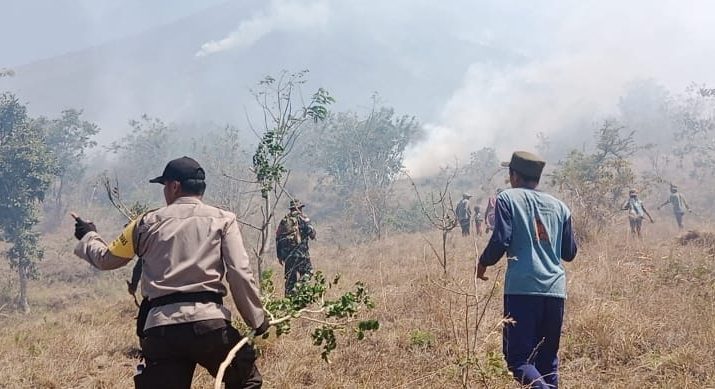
point(534, 230)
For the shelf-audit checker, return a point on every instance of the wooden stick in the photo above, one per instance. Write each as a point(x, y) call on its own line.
point(232, 354)
point(229, 358)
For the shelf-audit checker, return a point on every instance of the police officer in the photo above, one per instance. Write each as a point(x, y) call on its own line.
point(187, 248)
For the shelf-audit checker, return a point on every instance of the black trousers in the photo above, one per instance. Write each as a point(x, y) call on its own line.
point(465, 226)
point(172, 352)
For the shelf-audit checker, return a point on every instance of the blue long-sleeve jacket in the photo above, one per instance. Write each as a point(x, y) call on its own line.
point(534, 229)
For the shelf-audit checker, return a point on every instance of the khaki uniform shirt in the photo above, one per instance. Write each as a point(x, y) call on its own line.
point(186, 247)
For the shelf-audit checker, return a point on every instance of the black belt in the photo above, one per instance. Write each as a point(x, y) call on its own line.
point(180, 297)
point(195, 297)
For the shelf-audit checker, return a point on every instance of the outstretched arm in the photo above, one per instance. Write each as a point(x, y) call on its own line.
point(500, 240)
point(648, 214)
point(93, 249)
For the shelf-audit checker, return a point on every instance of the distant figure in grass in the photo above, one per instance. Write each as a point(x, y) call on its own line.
point(464, 213)
point(489, 213)
point(534, 230)
point(478, 220)
point(636, 212)
point(292, 235)
point(677, 200)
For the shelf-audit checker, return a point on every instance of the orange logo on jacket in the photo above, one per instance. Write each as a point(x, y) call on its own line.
point(541, 234)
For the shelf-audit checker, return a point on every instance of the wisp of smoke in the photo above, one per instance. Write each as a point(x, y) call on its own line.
point(280, 15)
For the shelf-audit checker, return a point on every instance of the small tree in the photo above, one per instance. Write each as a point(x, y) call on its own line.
point(26, 171)
point(694, 118)
point(478, 174)
point(143, 152)
point(363, 158)
point(594, 183)
point(284, 115)
point(439, 210)
point(223, 154)
point(68, 138)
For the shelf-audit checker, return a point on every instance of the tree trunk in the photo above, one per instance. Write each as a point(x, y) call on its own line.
point(22, 298)
point(265, 235)
point(444, 251)
point(54, 223)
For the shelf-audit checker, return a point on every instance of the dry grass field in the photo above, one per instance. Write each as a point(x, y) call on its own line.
point(639, 315)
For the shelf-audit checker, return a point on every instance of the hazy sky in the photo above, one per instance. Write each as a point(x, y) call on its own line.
point(543, 66)
point(37, 29)
point(575, 67)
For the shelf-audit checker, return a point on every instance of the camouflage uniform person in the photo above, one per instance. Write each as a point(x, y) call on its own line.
point(636, 212)
point(464, 213)
point(292, 237)
point(677, 200)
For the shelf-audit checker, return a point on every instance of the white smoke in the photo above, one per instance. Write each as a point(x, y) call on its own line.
point(592, 50)
point(280, 15)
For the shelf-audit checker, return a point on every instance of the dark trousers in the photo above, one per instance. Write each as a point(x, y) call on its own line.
point(296, 267)
point(465, 226)
point(172, 352)
point(531, 344)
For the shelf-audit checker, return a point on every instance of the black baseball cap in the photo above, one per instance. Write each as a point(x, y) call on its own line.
point(180, 169)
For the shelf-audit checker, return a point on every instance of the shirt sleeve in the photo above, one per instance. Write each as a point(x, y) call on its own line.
point(501, 237)
point(93, 249)
point(240, 277)
point(568, 242)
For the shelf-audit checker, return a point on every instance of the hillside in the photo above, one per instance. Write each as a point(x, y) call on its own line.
point(157, 71)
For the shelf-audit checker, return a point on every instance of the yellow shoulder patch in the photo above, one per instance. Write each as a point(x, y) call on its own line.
point(123, 245)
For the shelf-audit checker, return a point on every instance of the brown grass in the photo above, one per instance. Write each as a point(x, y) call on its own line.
point(638, 315)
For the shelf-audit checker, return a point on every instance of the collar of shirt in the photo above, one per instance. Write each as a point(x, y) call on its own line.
point(187, 200)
